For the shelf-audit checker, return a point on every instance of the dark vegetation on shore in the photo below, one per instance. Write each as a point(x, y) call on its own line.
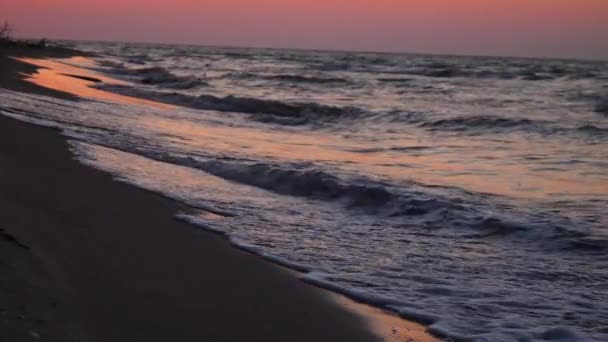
point(5, 32)
point(12, 70)
point(7, 40)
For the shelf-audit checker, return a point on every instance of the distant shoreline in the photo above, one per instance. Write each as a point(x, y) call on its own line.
point(313, 50)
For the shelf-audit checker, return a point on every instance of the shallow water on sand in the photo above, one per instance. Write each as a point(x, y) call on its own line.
point(468, 193)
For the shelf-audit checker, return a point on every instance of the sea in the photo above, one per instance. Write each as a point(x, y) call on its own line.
point(466, 193)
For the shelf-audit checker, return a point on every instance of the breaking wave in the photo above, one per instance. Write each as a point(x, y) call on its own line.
point(464, 215)
point(160, 77)
point(297, 114)
point(306, 112)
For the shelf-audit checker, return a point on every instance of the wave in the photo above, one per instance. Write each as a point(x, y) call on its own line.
point(161, 77)
point(591, 244)
point(311, 182)
point(452, 71)
point(484, 124)
point(373, 197)
point(492, 227)
point(280, 120)
point(140, 59)
point(289, 78)
point(298, 114)
point(493, 71)
point(591, 129)
point(302, 182)
point(460, 214)
point(597, 99)
point(395, 80)
point(488, 122)
point(441, 73)
point(111, 64)
point(306, 79)
point(306, 112)
point(392, 149)
point(536, 76)
point(602, 106)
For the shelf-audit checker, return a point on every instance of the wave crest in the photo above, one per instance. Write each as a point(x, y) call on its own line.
point(161, 77)
point(489, 122)
point(306, 112)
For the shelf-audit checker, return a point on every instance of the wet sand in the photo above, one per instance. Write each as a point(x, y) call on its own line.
point(91, 259)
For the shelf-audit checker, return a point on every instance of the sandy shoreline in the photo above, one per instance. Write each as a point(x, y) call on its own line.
point(109, 263)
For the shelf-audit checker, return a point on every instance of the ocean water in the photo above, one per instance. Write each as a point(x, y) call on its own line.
point(469, 193)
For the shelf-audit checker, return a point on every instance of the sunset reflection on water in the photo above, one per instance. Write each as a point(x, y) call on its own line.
point(482, 168)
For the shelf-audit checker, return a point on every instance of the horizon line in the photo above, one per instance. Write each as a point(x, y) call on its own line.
point(362, 51)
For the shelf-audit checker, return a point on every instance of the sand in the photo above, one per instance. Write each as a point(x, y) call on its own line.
point(86, 258)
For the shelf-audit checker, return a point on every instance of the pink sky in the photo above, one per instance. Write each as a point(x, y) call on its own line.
point(563, 28)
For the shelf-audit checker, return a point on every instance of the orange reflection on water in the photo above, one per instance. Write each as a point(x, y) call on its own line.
point(481, 168)
point(488, 171)
point(78, 81)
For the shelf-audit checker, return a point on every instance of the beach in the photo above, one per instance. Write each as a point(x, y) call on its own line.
point(304, 171)
point(316, 195)
point(87, 258)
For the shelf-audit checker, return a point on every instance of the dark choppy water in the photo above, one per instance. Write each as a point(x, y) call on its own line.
point(469, 193)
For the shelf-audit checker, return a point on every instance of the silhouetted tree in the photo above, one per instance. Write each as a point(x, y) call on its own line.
point(5, 32)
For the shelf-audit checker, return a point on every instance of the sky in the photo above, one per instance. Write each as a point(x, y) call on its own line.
point(536, 28)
